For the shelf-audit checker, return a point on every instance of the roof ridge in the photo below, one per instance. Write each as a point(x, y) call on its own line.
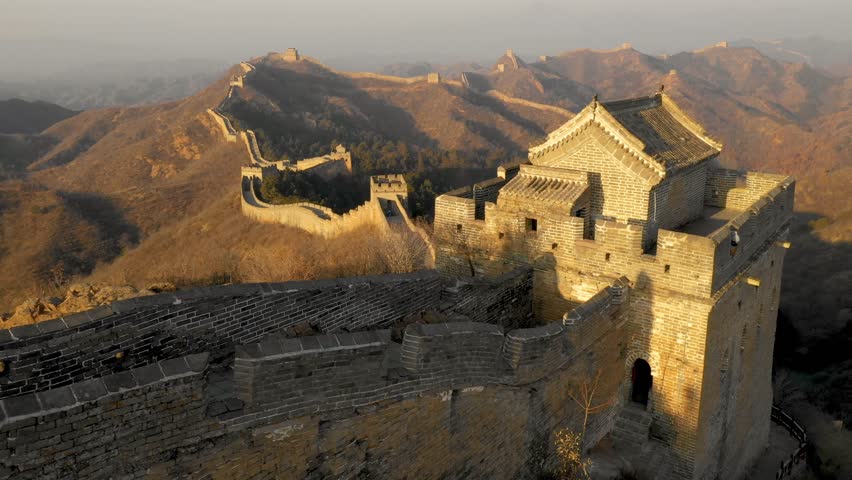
point(631, 103)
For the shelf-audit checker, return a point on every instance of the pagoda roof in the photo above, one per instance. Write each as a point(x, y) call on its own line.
point(654, 129)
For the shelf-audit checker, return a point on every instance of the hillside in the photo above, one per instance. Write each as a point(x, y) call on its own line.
point(814, 50)
point(21, 116)
point(158, 166)
point(155, 188)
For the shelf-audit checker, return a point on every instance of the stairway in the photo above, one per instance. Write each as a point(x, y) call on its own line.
point(631, 426)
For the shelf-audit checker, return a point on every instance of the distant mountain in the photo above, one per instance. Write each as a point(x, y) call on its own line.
point(815, 51)
point(21, 116)
point(157, 186)
point(416, 69)
point(169, 178)
point(117, 84)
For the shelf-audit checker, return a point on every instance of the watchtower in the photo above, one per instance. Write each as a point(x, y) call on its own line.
point(291, 55)
point(388, 190)
point(626, 189)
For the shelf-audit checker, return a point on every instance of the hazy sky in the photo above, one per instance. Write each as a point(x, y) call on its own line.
point(41, 36)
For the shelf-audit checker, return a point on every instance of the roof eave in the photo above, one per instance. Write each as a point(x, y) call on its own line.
point(691, 124)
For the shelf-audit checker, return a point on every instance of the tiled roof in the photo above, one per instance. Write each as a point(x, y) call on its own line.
point(669, 135)
point(545, 186)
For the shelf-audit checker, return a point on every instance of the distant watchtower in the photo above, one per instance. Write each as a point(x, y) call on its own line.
point(386, 189)
point(291, 55)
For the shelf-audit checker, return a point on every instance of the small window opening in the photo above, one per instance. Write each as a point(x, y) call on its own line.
point(458, 227)
point(532, 224)
point(772, 263)
point(606, 257)
point(739, 305)
point(553, 247)
point(668, 268)
point(501, 235)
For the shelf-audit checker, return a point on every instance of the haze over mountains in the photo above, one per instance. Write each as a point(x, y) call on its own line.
point(156, 166)
point(150, 193)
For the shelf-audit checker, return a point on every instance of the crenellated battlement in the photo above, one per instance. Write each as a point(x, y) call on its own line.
point(168, 356)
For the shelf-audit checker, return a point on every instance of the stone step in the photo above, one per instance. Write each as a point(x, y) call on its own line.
point(642, 424)
point(636, 413)
point(628, 433)
point(642, 421)
point(628, 442)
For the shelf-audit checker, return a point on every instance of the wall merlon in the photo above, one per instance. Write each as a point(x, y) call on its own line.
point(22, 408)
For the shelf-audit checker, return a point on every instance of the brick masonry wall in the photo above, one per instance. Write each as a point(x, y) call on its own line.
point(676, 200)
point(759, 224)
point(737, 388)
point(334, 405)
point(281, 379)
point(504, 301)
point(615, 191)
point(148, 329)
point(672, 313)
point(106, 427)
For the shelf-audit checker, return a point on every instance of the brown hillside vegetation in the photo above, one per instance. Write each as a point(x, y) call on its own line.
point(21, 116)
point(135, 196)
point(165, 171)
point(140, 194)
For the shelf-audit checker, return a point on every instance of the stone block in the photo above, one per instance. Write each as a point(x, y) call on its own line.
point(119, 381)
point(174, 366)
point(57, 398)
point(25, 331)
point(309, 343)
point(76, 319)
point(197, 362)
point(89, 390)
point(99, 312)
point(328, 341)
point(51, 326)
point(21, 405)
point(251, 350)
point(148, 374)
point(291, 345)
point(271, 347)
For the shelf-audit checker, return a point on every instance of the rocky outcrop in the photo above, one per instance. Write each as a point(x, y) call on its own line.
point(79, 297)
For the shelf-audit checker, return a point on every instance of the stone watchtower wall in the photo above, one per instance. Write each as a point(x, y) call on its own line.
point(335, 404)
point(701, 312)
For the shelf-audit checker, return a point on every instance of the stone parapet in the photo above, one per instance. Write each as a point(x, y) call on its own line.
point(106, 427)
point(281, 379)
point(146, 330)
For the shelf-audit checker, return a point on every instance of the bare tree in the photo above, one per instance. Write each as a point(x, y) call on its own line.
point(583, 394)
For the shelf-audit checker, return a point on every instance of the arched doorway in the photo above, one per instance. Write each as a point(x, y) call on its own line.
point(642, 380)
